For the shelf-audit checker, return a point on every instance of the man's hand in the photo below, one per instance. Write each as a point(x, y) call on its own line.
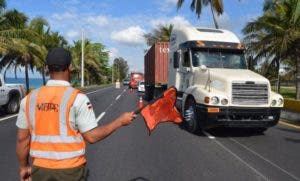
point(126, 118)
point(25, 173)
point(103, 131)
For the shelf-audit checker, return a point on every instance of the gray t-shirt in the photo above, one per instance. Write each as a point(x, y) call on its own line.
point(82, 116)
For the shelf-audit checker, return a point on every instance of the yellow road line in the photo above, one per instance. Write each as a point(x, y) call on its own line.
point(288, 124)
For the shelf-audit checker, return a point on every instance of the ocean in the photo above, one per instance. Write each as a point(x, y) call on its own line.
point(33, 82)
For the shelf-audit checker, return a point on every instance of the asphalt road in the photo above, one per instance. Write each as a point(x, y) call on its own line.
point(171, 153)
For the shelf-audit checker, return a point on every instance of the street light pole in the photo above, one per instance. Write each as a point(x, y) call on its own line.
point(82, 59)
point(112, 73)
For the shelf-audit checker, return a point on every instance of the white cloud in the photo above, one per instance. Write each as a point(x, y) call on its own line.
point(173, 2)
point(166, 5)
point(72, 34)
point(113, 53)
point(176, 21)
point(64, 16)
point(98, 20)
point(224, 21)
point(131, 36)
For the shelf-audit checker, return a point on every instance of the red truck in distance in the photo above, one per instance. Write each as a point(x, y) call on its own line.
point(135, 78)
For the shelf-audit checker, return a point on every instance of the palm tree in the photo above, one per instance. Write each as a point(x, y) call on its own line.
point(161, 33)
point(95, 61)
point(19, 44)
point(216, 6)
point(276, 35)
point(39, 26)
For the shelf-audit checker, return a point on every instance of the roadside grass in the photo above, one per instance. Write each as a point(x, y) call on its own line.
point(286, 92)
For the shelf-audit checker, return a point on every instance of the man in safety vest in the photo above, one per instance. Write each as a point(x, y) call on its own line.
point(53, 124)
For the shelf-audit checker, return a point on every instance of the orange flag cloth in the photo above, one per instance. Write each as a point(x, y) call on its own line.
point(162, 110)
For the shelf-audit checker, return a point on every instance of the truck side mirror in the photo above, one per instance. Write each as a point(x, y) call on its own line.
point(203, 68)
point(251, 62)
point(176, 60)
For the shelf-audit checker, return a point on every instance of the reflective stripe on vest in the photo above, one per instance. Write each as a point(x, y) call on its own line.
point(56, 155)
point(51, 146)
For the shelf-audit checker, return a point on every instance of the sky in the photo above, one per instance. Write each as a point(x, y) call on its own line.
point(121, 24)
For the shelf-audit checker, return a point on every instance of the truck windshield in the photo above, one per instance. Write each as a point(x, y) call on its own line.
point(219, 59)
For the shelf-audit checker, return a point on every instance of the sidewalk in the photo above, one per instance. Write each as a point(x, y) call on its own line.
point(290, 117)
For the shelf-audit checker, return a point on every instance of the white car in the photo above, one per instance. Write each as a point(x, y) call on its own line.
point(141, 87)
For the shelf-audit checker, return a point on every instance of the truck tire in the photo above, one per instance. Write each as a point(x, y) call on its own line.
point(191, 121)
point(13, 104)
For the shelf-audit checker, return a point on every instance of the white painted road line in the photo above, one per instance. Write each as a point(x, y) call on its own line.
point(118, 97)
point(265, 159)
point(97, 90)
point(237, 157)
point(8, 117)
point(100, 116)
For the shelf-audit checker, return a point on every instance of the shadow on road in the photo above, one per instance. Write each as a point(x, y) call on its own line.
point(288, 130)
point(139, 179)
point(293, 140)
point(228, 132)
point(235, 132)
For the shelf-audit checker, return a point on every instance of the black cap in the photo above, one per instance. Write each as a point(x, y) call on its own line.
point(58, 59)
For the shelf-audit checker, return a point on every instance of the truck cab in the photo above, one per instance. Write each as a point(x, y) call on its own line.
point(10, 96)
point(215, 88)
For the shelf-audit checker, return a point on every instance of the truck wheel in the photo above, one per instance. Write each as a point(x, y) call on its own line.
point(13, 104)
point(190, 116)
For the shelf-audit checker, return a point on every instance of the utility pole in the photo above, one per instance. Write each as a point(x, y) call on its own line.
point(112, 73)
point(82, 59)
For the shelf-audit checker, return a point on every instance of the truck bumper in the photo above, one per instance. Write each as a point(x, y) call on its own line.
point(238, 117)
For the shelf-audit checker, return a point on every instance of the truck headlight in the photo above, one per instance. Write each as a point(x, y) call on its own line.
point(215, 100)
point(224, 101)
point(280, 101)
point(273, 103)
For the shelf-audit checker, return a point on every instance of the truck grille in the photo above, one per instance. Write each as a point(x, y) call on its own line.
point(249, 93)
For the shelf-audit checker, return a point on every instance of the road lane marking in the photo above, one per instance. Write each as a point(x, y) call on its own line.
point(100, 116)
point(114, 101)
point(118, 97)
point(237, 157)
point(8, 117)
point(290, 125)
point(265, 159)
point(97, 90)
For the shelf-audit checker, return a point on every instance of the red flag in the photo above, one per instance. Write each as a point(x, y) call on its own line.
point(162, 110)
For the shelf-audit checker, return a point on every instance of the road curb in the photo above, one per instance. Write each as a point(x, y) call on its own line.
point(286, 123)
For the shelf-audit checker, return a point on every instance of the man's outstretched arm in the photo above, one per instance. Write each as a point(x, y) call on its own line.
point(101, 132)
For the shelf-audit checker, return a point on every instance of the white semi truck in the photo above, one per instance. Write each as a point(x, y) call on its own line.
point(215, 88)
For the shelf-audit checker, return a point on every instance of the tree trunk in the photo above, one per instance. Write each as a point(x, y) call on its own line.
point(26, 77)
point(43, 75)
point(214, 18)
point(297, 77)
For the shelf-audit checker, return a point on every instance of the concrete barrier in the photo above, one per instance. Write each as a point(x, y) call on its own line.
point(292, 105)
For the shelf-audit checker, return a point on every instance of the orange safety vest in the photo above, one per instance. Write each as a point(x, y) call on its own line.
point(54, 143)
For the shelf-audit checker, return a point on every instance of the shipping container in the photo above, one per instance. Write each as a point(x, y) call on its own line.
point(156, 68)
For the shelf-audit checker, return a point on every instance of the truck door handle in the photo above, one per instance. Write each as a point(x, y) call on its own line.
point(2, 90)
